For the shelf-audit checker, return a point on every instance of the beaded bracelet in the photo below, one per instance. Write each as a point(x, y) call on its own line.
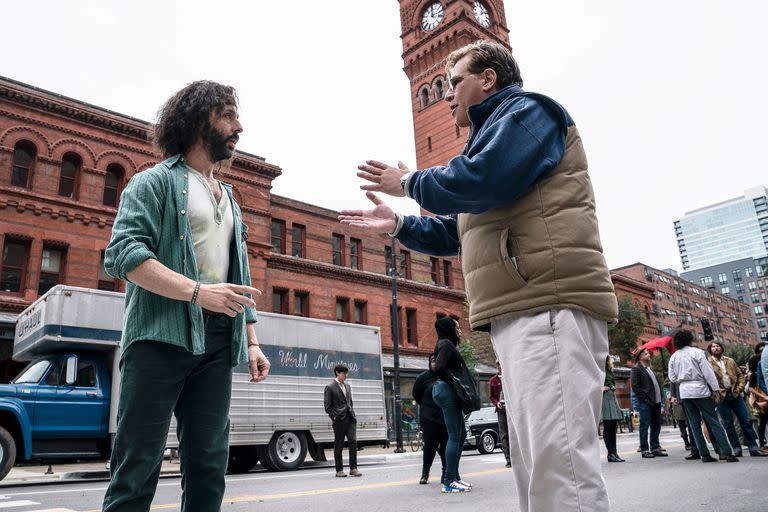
point(196, 292)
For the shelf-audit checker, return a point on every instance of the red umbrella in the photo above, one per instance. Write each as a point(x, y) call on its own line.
point(657, 343)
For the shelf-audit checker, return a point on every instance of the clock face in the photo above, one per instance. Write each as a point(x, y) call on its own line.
point(432, 16)
point(481, 15)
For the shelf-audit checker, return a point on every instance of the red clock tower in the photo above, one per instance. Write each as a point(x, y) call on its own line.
point(431, 29)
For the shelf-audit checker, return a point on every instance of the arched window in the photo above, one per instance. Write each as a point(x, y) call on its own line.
point(424, 97)
point(70, 171)
point(112, 184)
point(439, 89)
point(24, 153)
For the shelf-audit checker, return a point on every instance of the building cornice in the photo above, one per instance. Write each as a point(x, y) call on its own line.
point(327, 270)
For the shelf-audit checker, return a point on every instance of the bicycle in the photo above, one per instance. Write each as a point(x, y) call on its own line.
point(417, 442)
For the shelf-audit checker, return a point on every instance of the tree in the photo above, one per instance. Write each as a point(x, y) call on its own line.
point(467, 352)
point(739, 353)
point(622, 336)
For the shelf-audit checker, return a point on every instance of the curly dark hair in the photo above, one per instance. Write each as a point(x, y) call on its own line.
point(682, 338)
point(713, 343)
point(186, 115)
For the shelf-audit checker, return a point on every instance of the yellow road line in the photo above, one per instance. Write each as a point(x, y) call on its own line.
point(317, 492)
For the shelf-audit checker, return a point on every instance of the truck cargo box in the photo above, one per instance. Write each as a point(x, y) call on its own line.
point(68, 318)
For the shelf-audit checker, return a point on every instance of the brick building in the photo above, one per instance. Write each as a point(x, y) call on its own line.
point(678, 301)
point(63, 164)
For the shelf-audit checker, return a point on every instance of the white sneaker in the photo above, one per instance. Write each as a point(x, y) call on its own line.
point(455, 487)
point(465, 484)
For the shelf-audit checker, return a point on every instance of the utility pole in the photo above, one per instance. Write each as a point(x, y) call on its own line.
point(396, 353)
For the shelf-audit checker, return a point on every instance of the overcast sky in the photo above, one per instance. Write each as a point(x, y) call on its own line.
point(669, 96)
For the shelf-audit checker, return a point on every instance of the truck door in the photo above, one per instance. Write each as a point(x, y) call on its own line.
point(79, 410)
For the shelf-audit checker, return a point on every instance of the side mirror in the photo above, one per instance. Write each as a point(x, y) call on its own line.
point(71, 371)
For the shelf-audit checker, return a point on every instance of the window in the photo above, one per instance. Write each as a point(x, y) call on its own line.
point(106, 282)
point(439, 89)
point(298, 240)
point(24, 154)
point(355, 254)
point(723, 278)
point(725, 290)
point(342, 309)
point(68, 178)
point(277, 231)
point(361, 312)
point(50, 269)
point(447, 278)
point(749, 272)
point(301, 303)
point(758, 310)
point(405, 264)
point(736, 276)
point(338, 249)
point(424, 97)
point(751, 285)
point(434, 269)
point(86, 375)
point(739, 287)
point(429, 144)
point(280, 301)
point(13, 272)
point(761, 323)
point(388, 260)
point(112, 185)
point(411, 331)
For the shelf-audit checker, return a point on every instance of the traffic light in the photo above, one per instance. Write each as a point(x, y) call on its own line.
point(708, 336)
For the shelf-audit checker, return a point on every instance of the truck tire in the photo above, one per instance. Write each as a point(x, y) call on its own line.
point(242, 459)
point(285, 452)
point(7, 452)
point(487, 443)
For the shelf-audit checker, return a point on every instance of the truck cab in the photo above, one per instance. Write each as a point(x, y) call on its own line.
point(36, 410)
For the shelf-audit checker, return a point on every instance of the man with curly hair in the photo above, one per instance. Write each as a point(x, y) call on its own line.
point(179, 241)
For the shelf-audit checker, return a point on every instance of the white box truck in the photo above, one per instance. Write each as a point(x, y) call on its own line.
point(64, 403)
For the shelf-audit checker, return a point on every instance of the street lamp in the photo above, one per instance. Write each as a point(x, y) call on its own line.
point(396, 353)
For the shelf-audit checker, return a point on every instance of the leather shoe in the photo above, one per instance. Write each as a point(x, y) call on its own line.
point(737, 453)
point(708, 458)
point(648, 455)
point(355, 472)
point(424, 480)
point(731, 458)
point(612, 457)
point(693, 456)
point(660, 453)
point(757, 453)
point(508, 465)
point(340, 474)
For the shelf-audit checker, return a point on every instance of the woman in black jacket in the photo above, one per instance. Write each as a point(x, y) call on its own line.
point(448, 360)
point(431, 421)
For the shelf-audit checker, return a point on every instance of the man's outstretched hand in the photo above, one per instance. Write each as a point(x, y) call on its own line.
point(379, 220)
point(384, 178)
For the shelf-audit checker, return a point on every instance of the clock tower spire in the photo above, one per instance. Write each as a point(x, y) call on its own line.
point(432, 29)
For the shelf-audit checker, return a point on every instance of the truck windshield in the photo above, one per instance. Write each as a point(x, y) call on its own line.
point(33, 372)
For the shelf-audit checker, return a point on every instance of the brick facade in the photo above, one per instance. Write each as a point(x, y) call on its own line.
point(38, 224)
point(677, 300)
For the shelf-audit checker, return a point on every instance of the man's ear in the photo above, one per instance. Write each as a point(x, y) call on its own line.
point(489, 79)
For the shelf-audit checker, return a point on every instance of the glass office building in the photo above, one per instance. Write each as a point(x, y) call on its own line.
point(724, 232)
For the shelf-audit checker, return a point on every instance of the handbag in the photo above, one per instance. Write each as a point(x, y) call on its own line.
point(758, 400)
point(466, 389)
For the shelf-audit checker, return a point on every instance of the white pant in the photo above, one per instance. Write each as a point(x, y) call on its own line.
point(553, 368)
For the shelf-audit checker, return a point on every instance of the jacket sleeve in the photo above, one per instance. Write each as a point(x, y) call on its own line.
point(518, 148)
point(445, 350)
point(708, 373)
point(136, 230)
point(741, 380)
point(437, 236)
point(636, 385)
point(328, 400)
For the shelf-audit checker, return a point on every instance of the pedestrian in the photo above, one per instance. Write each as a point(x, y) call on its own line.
point(732, 383)
point(178, 241)
point(648, 393)
point(758, 393)
point(611, 412)
point(340, 408)
point(700, 393)
point(519, 203)
point(497, 399)
point(433, 432)
point(678, 413)
point(448, 361)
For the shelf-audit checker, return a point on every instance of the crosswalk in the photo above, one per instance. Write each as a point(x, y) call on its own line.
point(14, 505)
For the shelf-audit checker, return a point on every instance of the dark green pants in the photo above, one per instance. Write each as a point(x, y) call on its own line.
point(158, 379)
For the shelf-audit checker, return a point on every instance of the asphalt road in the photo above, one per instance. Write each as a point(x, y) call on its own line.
point(664, 484)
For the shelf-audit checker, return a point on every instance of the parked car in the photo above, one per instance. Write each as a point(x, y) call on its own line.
point(482, 430)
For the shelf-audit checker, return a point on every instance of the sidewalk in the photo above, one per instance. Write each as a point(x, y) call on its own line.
point(96, 471)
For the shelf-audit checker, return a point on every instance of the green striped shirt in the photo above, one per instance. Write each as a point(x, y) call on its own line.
point(152, 222)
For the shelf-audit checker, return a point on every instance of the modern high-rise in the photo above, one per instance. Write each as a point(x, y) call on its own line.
point(724, 232)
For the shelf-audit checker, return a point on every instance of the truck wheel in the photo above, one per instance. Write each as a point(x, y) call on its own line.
point(7, 452)
point(285, 452)
point(242, 459)
point(487, 443)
